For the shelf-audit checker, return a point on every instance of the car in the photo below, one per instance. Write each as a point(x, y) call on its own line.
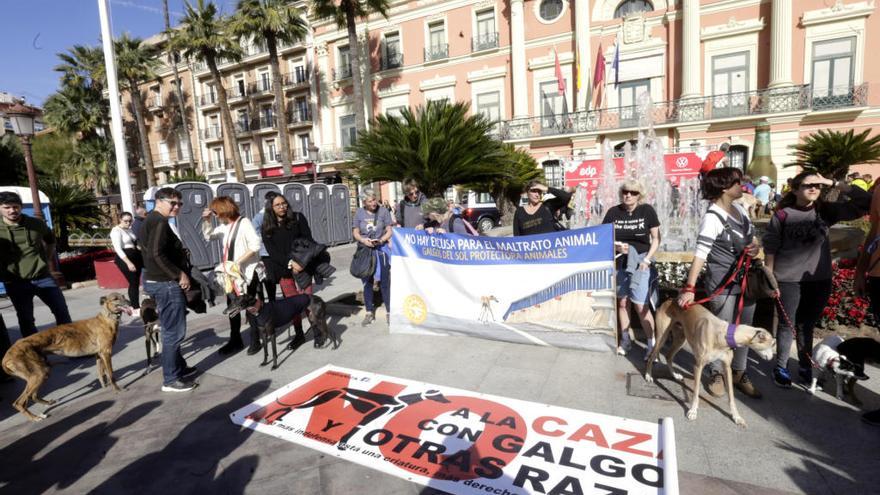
point(480, 210)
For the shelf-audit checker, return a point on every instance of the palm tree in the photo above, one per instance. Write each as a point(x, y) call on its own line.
point(438, 145)
point(93, 165)
point(83, 66)
point(519, 169)
point(136, 64)
point(173, 58)
point(346, 13)
point(72, 207)
point(272, 22)
point(77, 110)
point(831, 152)
point(204, 36)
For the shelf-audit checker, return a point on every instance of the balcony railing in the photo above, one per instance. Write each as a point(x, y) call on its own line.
point(749, 103)
point(341, 73)
point(265, 122)
point(297, 77)
point(485, 41)
point(299, 116)
point(333, 154)
point(215, 165)
point(392, 61)
point(212, 132)
point(259, 88)
point(208, 99)
point(437, 52)
point(154, 102)
point(246, 126)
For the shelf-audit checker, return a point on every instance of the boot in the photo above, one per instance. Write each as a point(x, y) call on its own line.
point(255, 343)
point(299, 338)
point(715, 387)
point(742, 383)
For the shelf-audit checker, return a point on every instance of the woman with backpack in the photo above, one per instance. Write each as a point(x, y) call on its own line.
point(371, 227)
point(798, 251)
point(637, 237)
point(726, 235)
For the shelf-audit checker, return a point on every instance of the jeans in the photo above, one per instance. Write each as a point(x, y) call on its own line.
point(383, 261)
point(171, 305)
point(22, 293)
point(804, 303)
point(725, 306)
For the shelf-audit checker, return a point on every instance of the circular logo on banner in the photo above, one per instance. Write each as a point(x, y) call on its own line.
point(415, 309)
point(681, 162)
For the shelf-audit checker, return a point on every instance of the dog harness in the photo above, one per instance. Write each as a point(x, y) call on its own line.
point(731, 342)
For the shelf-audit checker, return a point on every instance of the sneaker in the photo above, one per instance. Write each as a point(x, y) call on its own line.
point(179, 386)
point(872, 418)
point(806, 375)
point(626, 342)
point(370, 318)
point(188, 372)
point(781, 377)
point(715, 387)
point(742, 382)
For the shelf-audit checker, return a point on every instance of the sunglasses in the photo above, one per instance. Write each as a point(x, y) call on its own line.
point(537, 191)
point(811, 186)
point(173, 203)
point(625, 192)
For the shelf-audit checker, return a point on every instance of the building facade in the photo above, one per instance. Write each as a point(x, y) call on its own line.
point(713, 69)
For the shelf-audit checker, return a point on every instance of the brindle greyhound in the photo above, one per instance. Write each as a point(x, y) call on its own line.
point(26, 358)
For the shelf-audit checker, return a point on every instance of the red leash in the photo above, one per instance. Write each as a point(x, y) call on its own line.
point(794, 332)
point(744, 261)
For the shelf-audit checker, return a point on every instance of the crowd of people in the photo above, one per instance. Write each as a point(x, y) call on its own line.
point(256, 258)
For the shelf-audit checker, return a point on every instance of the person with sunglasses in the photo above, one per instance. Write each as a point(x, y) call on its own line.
point(637, 237)
point(166, 268)
point(539, 216)
point(726, 233)
point(409, 210)
point(128, 257)
point(798, 251)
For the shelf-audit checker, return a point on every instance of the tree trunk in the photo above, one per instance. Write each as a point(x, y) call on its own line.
point(137, 107)
point(226, 121)
point(178, 90)
point(354, 56)
point(280, 116)
point(506, 208)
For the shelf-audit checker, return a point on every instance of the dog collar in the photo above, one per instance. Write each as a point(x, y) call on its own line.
point(731, 329)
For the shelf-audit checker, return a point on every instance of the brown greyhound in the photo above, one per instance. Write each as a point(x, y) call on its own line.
point(26, 358)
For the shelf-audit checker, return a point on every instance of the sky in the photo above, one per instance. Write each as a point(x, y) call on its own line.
point(35, 31)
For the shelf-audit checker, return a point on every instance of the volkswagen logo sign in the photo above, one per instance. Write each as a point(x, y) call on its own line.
point(681, 162)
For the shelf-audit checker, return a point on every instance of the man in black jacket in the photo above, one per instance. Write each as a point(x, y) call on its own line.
point(166, 270)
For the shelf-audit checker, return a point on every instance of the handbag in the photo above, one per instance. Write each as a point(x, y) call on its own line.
point(363, 263)
point(761, 283)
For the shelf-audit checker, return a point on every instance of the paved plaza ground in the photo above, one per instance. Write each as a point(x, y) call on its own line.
point(144, 441)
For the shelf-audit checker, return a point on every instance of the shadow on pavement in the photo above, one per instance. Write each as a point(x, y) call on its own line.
point(191, 461)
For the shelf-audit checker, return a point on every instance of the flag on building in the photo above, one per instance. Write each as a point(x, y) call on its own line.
point(599, 77)
point(616, 63)
point(560, 81)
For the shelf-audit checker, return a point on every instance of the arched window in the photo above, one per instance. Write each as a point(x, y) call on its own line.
point(628, 7)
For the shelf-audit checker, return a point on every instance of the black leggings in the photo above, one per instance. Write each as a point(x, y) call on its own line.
point(235, 321)
point(133, 277)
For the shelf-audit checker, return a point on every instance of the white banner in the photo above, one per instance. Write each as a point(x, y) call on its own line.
point(463, 442)
point(549, 289)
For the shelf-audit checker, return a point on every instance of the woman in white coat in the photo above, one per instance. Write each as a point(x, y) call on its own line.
point(238, 257)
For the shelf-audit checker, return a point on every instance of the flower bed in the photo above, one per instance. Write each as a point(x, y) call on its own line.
point(844, 306)
point(79, 266)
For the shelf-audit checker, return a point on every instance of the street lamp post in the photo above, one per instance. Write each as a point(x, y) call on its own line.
point(22, 118)
point(313, 157)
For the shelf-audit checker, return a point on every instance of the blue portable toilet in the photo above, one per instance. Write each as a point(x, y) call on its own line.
point(196, 196)
point(297, 197)
point(150, 198)
point(27, 207)
point(239, 193)
point(340, 214)
point(319, 212)
point(258, 193)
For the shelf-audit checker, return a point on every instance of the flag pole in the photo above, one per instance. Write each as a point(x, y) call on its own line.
point(115, 109)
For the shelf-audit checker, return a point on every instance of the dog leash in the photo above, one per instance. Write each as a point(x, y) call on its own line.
point(788, 321)
point(744, 261)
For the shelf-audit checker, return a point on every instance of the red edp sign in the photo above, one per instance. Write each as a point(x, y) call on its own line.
point(463, 442)
point(589, 172)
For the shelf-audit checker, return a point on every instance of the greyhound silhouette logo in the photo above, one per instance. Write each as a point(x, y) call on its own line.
point(415, 309)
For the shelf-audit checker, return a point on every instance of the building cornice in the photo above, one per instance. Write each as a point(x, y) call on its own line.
point(838, 12)
point(732, 28)
point(487, 73)
point(394, 90)
point(437, 82)
point(550, 60)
